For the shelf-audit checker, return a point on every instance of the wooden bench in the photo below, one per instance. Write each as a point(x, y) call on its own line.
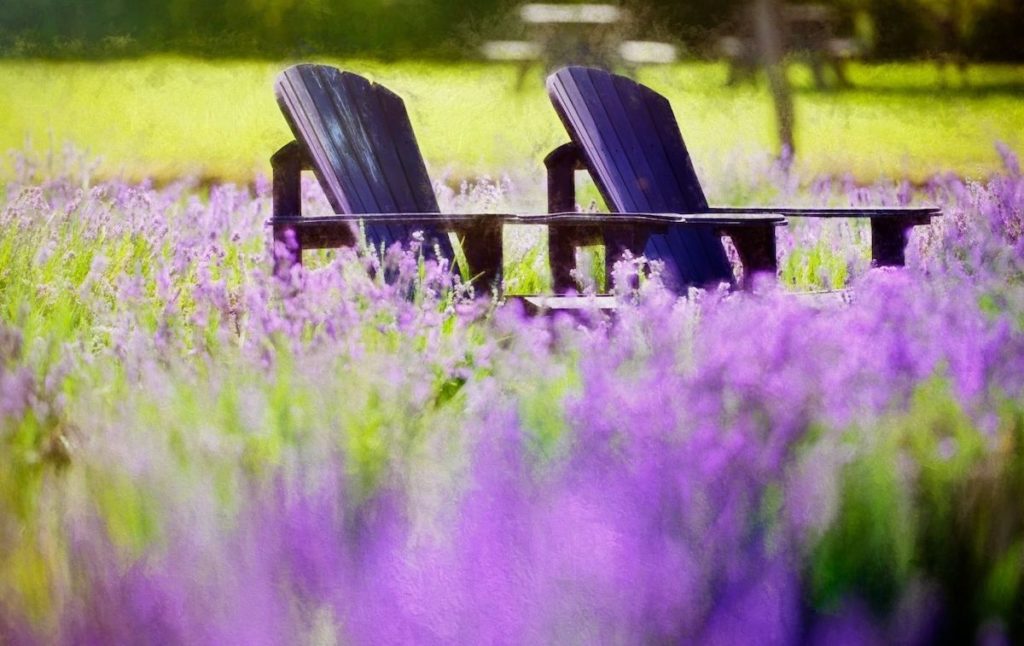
point(808, 34)
point(563, 34)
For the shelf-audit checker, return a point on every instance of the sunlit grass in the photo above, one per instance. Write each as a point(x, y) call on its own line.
point(166, 117)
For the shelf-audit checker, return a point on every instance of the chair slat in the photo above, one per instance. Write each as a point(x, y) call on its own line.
point(328, 132)
point(574, 110)
point(715, 266)
point(300, 113)
point(420, 193)
point(651, 174)
point(345, 91)
point(634, 167)
point(670, 139)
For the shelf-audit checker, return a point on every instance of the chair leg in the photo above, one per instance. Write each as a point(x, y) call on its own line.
point(562, 163)
point(482, 245)
point(756, 248)
point(563, 241)
point(287, 164)
point(287, 250)
point(888, 242)
point(562, 259)
point(617, 242)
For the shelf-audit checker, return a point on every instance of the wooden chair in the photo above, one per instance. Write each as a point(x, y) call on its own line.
point(625, 134)
point(357, 139)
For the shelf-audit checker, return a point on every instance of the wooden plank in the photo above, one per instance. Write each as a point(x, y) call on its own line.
point(482, 232)
point(379, 126)
point(549, 304)
point(582, 130)
point(326, 134)
point(336, 165)
point(411, 182)
point(294, 102)
point(609, 171)
point(386, 153)
point(705, 262)
point(352, 93)
point(349, 93)
point(604, 220)
point(889, 225)
point(917, 214)
point(404, 139)
point(636, 122)
point(702, 244)
point(349, 139)
point(666, 132)
point(671, 140)
point(590, 129)
point(633, 165)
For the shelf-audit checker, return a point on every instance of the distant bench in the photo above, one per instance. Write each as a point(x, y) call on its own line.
point(560, 34)
point(809, 34)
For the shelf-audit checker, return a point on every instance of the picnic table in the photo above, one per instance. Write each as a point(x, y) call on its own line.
point(580, 34)
point(809, 34)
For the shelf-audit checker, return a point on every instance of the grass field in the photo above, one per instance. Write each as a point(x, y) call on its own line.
point(169, 117)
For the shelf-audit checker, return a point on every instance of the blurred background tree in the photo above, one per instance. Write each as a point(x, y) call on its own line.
point(973, 29)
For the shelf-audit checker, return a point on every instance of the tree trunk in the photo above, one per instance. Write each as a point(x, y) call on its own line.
point(768, 29)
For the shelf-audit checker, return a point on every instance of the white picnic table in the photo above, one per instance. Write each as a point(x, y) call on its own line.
point(808, 33)
point(586, 34)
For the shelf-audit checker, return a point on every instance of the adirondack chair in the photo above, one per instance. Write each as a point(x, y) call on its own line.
point(356, 137)
point(625, 134)
point(359, 141)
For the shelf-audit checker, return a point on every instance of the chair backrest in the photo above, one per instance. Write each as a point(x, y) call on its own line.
point(634, 151)
point(361, 145)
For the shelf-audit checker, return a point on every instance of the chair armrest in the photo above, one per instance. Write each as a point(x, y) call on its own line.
point(341, 230)
point(912, 214)
point(287, 164)
point(889, 225)
point(753, 234)
point(444, 221)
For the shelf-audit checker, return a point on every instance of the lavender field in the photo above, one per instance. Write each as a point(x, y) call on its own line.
point(193, 451)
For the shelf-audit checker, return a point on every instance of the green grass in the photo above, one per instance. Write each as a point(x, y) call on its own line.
point(166, 117)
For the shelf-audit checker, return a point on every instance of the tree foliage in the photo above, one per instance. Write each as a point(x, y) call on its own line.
point(450, 28)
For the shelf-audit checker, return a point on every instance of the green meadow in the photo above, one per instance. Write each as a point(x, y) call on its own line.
point(168, 117)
